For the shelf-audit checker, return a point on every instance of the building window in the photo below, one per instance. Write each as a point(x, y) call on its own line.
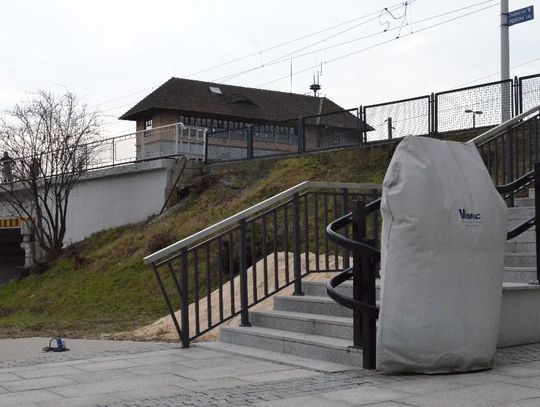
point(147, 127)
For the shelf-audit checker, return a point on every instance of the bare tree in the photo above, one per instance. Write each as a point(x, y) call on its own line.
point(48, 145)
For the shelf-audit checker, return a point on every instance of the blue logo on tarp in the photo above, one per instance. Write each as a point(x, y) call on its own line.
point(469, 215)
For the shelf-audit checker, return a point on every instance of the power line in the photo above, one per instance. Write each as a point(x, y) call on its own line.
point(252, 54)
point(380, 44)
point(286, 43)
point(281, 58)
point(287, 58)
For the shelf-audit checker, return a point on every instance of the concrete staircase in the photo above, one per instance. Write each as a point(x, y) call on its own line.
point(314, 326)
point(520, 259)
point(309, 326)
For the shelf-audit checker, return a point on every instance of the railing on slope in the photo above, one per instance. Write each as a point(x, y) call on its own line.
point(233, 265)
point(366, 255)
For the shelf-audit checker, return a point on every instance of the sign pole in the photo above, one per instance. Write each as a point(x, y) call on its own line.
point(505, 62)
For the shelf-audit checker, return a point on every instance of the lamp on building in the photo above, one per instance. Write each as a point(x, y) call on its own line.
point(474, 113)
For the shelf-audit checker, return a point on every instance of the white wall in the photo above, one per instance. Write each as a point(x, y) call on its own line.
point(115, 197)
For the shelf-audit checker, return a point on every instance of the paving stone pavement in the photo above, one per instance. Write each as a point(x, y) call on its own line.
point(158, 374)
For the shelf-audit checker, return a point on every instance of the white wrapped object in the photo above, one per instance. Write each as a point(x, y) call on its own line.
point(442, 259)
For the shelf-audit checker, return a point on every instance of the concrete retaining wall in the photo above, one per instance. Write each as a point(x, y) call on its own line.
point(117, 196)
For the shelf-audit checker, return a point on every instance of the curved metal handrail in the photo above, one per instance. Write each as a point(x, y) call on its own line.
point(347, 243)
point(516, 185)
point(370, 310)
point(518, 230)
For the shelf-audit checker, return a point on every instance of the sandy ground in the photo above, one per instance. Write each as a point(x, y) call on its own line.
point(163, 329)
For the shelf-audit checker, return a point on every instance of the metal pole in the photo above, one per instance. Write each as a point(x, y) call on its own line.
point(505, 47)
point(505, 62)
point(537, 215)
point(389, 120)
point(344, 211)
point(296, 246)
point(358, 231)
point(184, 309)
point(176, 140)
point(244, 315)
point(250, 143)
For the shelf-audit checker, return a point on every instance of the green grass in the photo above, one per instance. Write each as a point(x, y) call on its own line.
point(101, 286)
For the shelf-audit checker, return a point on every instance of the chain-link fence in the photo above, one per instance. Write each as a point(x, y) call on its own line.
point(475, 106)
point(399, 118)
point(529, 92)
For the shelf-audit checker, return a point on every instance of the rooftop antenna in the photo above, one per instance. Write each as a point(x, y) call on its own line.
point(315, 87)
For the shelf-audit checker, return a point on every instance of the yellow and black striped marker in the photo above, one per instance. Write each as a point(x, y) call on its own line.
point(11, 222)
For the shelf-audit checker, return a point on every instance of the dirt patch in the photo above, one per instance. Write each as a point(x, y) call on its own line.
point(276, 268)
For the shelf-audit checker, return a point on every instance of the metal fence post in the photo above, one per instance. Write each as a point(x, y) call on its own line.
point(184, 310)
point(297, 246)
point(358, 231)
point(389, 121)
point(537, 215)
point(515, 88)
point(301, 135)
point(249, 143)
point(344, 211)
point(244, 315)
point(431, 127)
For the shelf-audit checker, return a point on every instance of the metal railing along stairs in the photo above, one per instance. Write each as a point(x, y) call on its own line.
point(258, 252)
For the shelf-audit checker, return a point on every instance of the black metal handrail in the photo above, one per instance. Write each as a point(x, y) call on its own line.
point(197, 269)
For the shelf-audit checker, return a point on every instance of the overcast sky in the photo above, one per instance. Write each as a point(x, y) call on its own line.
point(113, 53)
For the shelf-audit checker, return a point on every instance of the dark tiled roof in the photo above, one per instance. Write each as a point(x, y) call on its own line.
point(235, 101)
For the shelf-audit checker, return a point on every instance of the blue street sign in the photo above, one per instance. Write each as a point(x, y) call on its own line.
point(521, 15)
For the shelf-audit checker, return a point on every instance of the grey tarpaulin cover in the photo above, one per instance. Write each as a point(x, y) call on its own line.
point(442, 259)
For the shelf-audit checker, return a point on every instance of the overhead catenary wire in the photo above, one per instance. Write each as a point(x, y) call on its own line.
point(289, 42)
point(320, 41)
point(226, 63)
point(377, 45)
point(288, 57)
point(291, 58)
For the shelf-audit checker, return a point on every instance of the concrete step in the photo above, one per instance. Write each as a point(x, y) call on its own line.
point(520, 260)
point(275, 357)
point(311, 305)
point(311, 324)
point(519, 274)
point(520, 247)
point(298, 344)
point(521, 213)
point(520, 202)
point(318, 288)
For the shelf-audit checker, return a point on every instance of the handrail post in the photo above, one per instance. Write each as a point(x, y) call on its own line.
point(358, 231)
point(297, 246)
point(364, 327)
point(184, 310)
point(345, 210)
point(168, 303)
point(509, 162)
point(244, 315)
point(537, 215)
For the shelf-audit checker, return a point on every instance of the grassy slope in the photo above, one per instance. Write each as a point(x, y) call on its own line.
point(101, 285)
